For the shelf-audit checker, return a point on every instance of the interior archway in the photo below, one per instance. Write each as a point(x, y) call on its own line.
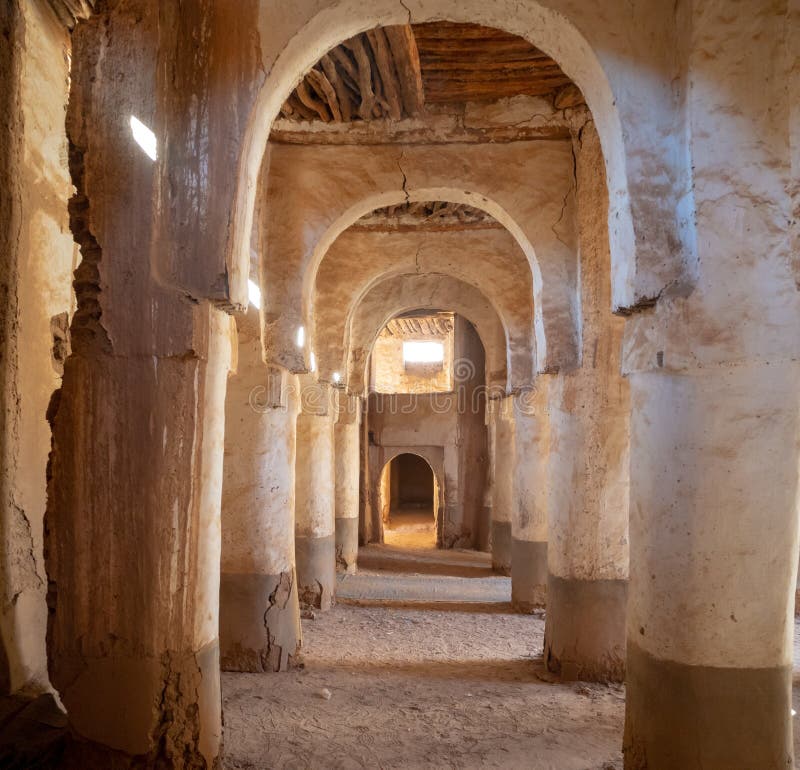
point(547, 29)
point(409, 501)
point(372, 271)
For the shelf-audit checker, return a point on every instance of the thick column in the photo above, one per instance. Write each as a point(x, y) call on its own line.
point(315, 545)
point(347, 432)
point(529, 520)
point(259, 610)
point(502, 455)
point(133, 546)
point(714, 485)
point(589, 450)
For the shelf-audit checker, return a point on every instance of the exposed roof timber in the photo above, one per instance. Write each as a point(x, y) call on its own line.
point(439, 325)
point(393, 72)
point(427, 215)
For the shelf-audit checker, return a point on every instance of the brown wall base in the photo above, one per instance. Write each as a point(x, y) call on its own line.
point(584, 635)
point(501, 547)
point(346, 545)
point(316, 570)
point(694, 717)
point(259, 622)
point(159, 712)
point(528, 575)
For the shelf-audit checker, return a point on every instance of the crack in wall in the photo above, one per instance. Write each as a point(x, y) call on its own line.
point(407, 10)
point(405, 178)
point(573, 190)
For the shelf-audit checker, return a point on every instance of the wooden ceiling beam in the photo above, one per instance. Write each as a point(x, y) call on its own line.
point(390, 72)
point(342, 92)
point(391, 86)
point(326, 93)
point(406, 59)
point(364, 70)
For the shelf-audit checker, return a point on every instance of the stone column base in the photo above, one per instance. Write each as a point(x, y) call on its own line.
point(346, 545)
point(501, 547)
point(584, 635)
point(528, 575)
point(706, 718)
point(316, 570)
point(259, 622)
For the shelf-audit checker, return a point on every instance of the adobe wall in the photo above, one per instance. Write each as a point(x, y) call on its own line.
point(37, 256)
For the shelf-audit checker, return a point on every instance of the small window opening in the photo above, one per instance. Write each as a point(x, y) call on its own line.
point(423, 352)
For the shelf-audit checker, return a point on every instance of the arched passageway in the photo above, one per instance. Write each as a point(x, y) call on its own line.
point(239, 470)
point(409, 504)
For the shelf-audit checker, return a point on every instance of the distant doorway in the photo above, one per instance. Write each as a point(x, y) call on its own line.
point(409, 502)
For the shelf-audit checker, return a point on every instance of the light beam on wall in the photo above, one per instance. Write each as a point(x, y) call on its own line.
point(313, 362)
point(254, 293)
point(423, 352)
point(144, 137)
point(301, 336)
point(337, 377)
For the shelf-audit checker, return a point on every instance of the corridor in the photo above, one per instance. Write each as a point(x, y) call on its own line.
point(426, 666)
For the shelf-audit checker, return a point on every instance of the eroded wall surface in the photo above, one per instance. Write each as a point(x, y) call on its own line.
point(36, 303)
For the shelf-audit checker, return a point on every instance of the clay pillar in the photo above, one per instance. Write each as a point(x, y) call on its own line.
point(315, 544)
point(259, 610)
point(502, 430)
point(133, 543)
point(714, 484)
point(132, 531)
point(347, 433)
point(587, 509)
point(530, 488)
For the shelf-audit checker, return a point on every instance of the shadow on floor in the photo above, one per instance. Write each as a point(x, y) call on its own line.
point(531, 670)
point(478, 608)
point(425, 561)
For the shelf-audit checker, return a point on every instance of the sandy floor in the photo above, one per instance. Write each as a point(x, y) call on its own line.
point(424, 671)
point(421, 665)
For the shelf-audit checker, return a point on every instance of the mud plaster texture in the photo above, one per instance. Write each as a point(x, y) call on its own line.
point(36, 261)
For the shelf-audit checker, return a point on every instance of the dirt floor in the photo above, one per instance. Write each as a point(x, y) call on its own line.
point(421, 670)
point(422, 665)
point(411, 528)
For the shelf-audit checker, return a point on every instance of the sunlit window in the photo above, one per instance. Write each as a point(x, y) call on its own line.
point(423, 352)
point(254, 293)
point(144, 137)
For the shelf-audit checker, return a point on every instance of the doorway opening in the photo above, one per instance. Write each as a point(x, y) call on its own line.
point(409, 502)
